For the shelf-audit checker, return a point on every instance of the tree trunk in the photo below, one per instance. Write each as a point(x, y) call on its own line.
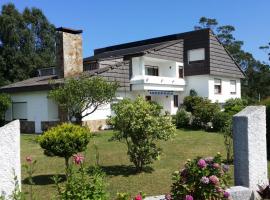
point(67, 167)
point(78, 117)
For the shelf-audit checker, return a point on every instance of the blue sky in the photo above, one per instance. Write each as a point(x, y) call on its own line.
point(108, 22)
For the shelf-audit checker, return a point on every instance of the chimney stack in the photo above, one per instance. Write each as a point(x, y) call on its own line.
point(69, 58)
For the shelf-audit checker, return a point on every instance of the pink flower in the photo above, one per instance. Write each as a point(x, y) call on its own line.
point(168, 197)
point(226, 194)
point(29, 159)
point(189, 197)
point(214, 180)
point(216, 165)
point(138, 197)
point(78, 159)
point(204, 180)
point(219, 190)
point(201, 163)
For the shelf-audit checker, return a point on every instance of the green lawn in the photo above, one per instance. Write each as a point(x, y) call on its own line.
point(120, 172)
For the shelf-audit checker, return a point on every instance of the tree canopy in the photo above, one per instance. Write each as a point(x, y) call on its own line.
point(82, 96)
point(27, 42)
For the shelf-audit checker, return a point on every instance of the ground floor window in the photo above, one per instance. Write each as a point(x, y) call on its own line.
point(217, 83)
point(19, 110)
point(175, 100)
point(148, 98)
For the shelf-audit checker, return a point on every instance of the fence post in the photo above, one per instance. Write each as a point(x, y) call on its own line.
point(249, 142)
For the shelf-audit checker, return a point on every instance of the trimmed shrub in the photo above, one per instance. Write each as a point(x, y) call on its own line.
point(182, 118)
point(201, 178)
point(64, 140)
point(233, 106)
point(220, 121)
point(190, 102)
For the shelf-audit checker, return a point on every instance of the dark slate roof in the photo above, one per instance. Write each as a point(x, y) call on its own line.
point(118, 53)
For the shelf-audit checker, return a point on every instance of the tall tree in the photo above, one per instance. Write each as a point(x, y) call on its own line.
point(256, 85)
point(27, 42)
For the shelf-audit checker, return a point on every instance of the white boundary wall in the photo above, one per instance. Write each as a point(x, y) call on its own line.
point(10, 161)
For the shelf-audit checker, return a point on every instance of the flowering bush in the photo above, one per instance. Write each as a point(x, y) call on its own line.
point(201, 179)
point(127, 196)
point(81, 183)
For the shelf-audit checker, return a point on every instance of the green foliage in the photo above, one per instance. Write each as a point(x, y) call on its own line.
point(30, 169)
point(193, 93)
point(27, 42)
point(205, 111)
point(140, 124)
point(234, 105)
point(220, 121)
point(123, 196)
point(64, 140)
point(182, 118)
point(266, 102)
point(82, 184)
point(190, 102)
point(81, 97)
point(5, 103)
point(201, 178)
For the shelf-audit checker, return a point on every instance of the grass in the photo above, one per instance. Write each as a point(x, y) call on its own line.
point(121, 176)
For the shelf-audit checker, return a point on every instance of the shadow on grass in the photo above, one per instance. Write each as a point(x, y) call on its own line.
point(123, 170)
point(46, 179)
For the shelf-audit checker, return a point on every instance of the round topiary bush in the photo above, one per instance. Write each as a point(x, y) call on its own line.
point(64, 140)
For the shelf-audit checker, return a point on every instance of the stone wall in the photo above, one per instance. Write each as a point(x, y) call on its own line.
point(10, 157)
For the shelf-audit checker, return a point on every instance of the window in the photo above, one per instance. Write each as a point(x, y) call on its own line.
point(148, 98)
point(196, 55)
point(151, 70)
point(233, 86)
point(19, 110)
point(217, 83)
point(181, 72)
point(175, 100)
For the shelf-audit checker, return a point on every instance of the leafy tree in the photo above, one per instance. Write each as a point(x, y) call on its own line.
point(64, 141)
point(5, 103)
point(81, 97)
point(190, 102)
point(266, 48)
point(234, 105)
point(27, 42)
point(140, 124)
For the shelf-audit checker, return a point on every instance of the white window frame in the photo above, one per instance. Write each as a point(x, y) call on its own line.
point(196, 55)
point(217, 84)
point(233, 90)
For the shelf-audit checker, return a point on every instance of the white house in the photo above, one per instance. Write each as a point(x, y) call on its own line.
point(162, 69)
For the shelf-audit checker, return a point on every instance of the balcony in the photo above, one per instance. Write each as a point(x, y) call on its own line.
point(144, 82)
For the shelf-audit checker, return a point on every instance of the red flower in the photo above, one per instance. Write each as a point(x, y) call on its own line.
point(138, 197)
point(29, 159)
point(78, 159)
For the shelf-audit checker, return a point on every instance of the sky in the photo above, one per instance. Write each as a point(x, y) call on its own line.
point(109, 22)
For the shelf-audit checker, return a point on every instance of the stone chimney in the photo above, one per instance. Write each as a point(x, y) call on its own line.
point(69, 58)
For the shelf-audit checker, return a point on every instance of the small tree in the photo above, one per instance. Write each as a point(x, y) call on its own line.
point(81, 97)
point(5, 103)
point(140, 124)
point(64, 141)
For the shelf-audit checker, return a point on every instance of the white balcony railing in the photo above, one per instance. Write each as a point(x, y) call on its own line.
point(160, 80)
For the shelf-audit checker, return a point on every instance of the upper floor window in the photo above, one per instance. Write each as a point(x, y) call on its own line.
point(217, 85)
point(181, 72)
point(233, 86)
point(196, 55)
point(151, 70)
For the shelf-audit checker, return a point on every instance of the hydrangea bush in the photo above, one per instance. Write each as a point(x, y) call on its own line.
point(201, 179)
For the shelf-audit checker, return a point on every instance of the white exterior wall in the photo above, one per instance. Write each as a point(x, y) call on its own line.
point(39, 107)
point(225, 89)
point(204, 86)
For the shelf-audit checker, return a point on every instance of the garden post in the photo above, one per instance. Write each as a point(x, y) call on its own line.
point(249, 142)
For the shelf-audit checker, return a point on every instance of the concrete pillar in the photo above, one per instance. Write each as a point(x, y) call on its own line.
point(10, 165)
point(249, 141)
